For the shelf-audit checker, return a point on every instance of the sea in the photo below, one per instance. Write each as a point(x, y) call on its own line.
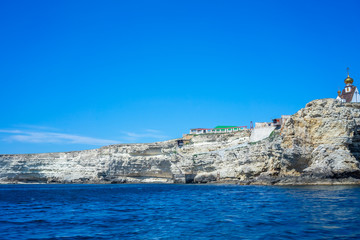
point(171, 211)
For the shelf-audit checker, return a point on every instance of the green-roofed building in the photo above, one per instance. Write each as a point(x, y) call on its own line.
point(223, 129)
point(217, 129)
point(225, 126)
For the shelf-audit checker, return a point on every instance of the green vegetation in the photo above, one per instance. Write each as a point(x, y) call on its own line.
point(273, 135)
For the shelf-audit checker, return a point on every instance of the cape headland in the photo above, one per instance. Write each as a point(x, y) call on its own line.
point(317, 145)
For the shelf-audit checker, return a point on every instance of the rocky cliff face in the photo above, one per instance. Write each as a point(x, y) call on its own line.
point(322, 141)
point(317, 145)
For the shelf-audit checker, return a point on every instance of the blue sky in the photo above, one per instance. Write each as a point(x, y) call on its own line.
point(82, 74)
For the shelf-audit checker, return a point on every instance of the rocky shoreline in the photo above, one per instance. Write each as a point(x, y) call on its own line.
point(317, 145)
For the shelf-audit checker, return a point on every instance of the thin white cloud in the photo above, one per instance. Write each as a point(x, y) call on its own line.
point(152, 131)
point(10, 131)
point(148, 133)
point(43, 134)
point(37, 127)
point(52, 137)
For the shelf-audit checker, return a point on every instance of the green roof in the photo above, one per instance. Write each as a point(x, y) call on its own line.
point(225, 126)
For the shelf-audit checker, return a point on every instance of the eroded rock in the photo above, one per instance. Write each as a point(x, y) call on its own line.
point(320, 144)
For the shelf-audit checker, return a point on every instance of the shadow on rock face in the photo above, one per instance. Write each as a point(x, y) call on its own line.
point(295, 160)
point(354, 147)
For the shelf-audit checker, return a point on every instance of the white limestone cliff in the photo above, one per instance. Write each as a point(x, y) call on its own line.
point(318, 145)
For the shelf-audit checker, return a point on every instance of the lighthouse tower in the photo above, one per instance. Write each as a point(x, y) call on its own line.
point(350, 93)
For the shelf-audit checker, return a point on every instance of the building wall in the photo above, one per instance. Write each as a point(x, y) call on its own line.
point(218, 130)
point(356, 97)
point(259, 134)
point(263, 124)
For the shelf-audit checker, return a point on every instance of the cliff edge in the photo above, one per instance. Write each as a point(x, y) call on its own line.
point(317, 145)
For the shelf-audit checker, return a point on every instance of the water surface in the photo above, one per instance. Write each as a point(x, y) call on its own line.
point(157, 211)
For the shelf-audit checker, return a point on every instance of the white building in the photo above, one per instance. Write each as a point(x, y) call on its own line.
point(350, 93)
point(218, 129)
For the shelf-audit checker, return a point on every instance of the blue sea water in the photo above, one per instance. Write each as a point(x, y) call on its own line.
point(157, 211)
